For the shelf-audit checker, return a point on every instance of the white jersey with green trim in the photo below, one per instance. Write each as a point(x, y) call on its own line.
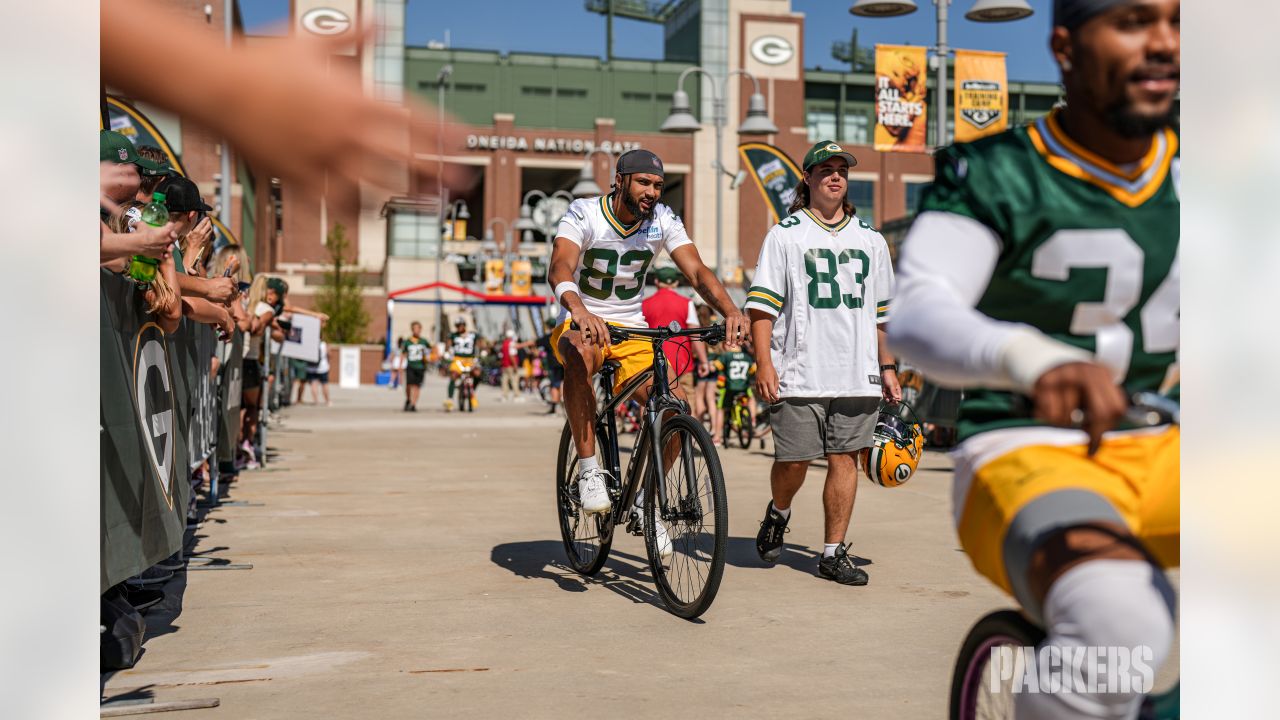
point(827, 286)
point(615, 257)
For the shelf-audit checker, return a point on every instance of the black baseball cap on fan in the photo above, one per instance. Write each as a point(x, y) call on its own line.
point(639, 161)
point(181, 195)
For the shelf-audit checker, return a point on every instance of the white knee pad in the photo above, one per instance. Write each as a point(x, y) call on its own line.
point(1125, 609)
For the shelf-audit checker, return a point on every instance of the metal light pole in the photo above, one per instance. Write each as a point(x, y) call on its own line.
point(982, 11)
point(441, 192)
point(586, 185)
point(681, 120)
point(224, 187)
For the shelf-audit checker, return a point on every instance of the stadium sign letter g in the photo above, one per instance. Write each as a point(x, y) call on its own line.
point(326, 21)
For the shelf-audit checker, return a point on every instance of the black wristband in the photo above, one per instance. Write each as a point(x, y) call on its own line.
point(893, 367)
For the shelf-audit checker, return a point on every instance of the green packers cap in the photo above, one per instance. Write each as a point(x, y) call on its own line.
point(116, 148)
point(826, 149)
point(667, 274)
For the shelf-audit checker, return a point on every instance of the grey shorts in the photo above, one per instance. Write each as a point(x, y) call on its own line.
point(811, 428)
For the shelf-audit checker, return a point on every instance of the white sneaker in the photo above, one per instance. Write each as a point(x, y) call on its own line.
point(661, 538)
point(659, 533)
point(592, 491)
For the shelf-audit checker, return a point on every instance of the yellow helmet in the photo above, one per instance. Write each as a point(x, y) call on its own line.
point(897, 447)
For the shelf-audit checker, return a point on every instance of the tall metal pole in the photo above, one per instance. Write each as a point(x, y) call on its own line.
point(720, 121)
point(942, 53)
point(441, 193)
point(224, 187)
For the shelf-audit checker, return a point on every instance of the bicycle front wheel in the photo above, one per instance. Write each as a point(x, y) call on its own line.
point(744, 428)
point(586, 537)
point(978, 692)
point(695, 517)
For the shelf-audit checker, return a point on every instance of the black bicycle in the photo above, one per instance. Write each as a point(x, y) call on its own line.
point(676, 467)
point(980, 693)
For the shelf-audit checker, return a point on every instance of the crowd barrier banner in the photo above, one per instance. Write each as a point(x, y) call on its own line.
point(143, 438)
point(230, 383)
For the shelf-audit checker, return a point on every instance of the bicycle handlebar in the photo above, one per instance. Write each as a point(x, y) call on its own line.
point(711, 334)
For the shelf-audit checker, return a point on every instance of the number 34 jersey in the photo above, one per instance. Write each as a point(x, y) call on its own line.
point(828, 286)
point(615, 258)
point(1088, 251)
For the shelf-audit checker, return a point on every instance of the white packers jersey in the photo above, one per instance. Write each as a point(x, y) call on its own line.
point(615, 258)
point(828, 286)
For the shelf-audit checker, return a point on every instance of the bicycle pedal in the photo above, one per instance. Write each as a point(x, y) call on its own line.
point(633, 524)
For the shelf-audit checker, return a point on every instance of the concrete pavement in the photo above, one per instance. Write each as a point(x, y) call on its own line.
point(410, 565)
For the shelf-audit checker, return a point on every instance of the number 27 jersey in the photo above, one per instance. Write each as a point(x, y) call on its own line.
point(828, 286)
point(615, 258)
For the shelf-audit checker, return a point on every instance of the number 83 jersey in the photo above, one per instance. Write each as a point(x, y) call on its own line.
point(828, 286)
point(615, 258)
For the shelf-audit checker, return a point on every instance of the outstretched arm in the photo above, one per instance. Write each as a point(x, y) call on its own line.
point(708, 286)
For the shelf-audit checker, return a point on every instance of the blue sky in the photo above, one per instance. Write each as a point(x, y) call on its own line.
point(564, 26)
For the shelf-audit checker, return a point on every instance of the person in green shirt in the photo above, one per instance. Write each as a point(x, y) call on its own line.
point(415, 352)
point(736, 371)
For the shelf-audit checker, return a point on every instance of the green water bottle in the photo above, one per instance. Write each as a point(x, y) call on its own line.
point(142, 268)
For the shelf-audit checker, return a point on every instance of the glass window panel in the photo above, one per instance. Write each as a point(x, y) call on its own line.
point(862, 195)
point(821, 125)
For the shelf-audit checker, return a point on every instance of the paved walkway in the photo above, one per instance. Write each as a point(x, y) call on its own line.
point(410, 565)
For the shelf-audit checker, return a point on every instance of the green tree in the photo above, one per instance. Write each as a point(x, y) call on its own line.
point(339, 297)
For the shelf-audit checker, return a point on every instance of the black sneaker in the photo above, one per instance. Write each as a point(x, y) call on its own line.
point(142, 598)
point(150, 576)
point(840, 568)
point(769, 540)
point(406, 406)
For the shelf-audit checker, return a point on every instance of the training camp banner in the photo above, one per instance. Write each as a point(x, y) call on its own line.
point(775, 175)
point(494, 276)
point(521, 278)
point(901, 99)
point(982, 94)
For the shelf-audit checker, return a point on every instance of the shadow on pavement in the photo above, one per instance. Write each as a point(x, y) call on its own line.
point(741, 552)
point(624, 574)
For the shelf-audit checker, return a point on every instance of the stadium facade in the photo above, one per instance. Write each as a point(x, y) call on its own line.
point(530, 121)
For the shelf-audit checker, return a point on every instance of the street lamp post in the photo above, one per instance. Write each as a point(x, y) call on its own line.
point(681, 120)
point(456, 211)
point(586, 185)
point(982, 11)
point(526, 221)
point(441, 192)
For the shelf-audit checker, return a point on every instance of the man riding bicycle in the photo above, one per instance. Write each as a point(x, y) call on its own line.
point(463, 346)
point(1043, 273)
point(604, 247)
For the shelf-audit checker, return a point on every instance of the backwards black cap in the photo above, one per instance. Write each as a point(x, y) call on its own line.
point(639, 161)
point(1071, 14)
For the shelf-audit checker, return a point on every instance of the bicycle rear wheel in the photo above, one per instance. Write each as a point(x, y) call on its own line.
point(696, 517)
point(975, 693)
point(586, 537)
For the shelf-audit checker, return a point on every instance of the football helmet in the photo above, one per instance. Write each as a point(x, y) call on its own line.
point(897, 447)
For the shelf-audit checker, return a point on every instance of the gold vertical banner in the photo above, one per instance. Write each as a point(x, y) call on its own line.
point(494, 271)
point(521, 278)
point(982, 94)
point(901, 98)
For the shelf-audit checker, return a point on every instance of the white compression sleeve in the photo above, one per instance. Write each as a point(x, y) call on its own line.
point(1121, 608)
point(946, 263)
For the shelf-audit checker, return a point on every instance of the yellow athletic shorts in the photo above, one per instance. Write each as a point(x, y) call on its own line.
point(635, 355)
point(1015, 487)
point(462, 365)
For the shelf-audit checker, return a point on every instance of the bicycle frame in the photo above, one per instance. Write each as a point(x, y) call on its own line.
point(649, 445)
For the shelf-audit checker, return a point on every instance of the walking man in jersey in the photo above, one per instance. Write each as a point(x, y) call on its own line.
point(1043, 275)
point(818, 304)
point(665, 307)
point(603, 250)
point(415, 352)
